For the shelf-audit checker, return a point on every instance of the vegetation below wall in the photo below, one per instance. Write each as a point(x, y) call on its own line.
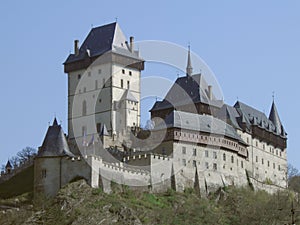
point(19, 184)
point(77, 203)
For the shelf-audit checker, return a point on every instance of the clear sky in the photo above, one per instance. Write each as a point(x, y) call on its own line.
point(253, 48)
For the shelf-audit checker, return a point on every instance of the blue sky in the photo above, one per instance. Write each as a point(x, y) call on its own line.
point(252, 47)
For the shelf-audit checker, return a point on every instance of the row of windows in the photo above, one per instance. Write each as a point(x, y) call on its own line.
point(215, 155)
point(271, 149)
point(129, 72)
point(89, 74)
point(268, 163)
point(214, 165)
point(122, 84)
point(206, 138)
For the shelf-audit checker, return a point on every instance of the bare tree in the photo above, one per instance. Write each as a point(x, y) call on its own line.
point(292, 171)
point(14, 161)
point(26, 154)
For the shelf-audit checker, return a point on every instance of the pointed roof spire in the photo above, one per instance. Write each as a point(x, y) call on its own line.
point(55, 122)
point(274, 117)
point(189, 68)
point(8, 165)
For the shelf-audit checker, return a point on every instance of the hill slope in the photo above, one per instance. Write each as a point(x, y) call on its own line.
point(77, 203)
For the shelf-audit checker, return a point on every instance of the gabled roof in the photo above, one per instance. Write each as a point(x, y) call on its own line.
point(55, 142)
point(100, 40)
point(128, 96)
point(187, 90)
point(204, 123)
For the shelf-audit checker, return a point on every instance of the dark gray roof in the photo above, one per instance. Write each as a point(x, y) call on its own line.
point(229, 114)
point(203, 123)
point(253, 117)
point(128, 96)
point(101, 40)
point(274, 117)
point(187, 90)
point(55, 142)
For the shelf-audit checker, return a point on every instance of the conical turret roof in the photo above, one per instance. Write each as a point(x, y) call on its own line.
point(274, 117)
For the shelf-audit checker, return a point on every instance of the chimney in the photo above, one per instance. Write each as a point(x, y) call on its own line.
point(76, 49)
point(209, 92)
point(131, 44)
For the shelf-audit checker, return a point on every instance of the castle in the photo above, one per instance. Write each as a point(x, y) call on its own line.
point(196, 141)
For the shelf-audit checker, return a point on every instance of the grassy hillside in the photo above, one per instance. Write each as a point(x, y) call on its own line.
point(17, 185)
point(77, 203)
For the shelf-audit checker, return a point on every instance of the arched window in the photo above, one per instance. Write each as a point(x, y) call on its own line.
point(84, 108)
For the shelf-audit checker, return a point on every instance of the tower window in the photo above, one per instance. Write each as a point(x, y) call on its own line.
point(128, 84)
point(83, 130)
point(44, 173)
point(242, 164)
point(84, 108)
point(206, 153)
point(224, 157)
point(96, 84)
point(183, 162)
point(121, 83)
point(123, 71)
point(232, 159)
point(130, 73)
point(98, 127)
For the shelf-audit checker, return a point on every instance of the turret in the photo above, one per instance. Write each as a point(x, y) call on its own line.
point(274, 117)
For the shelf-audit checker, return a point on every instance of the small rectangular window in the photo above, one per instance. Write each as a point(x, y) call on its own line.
point(184, 150)
point(130, 73)
point(194, 151)
point(96, 84)
point(256, 158)
point(79, 76)
point(44, 173)
point(215, 167)
point(128, 84)
point(183, 162)
point(206, 165)
point(123, 71)
point(224, 157)
point(206, 153)
point(121, 83)
point(98, 127)
point(262, 161)
point(215, 155)
point(242, 164)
